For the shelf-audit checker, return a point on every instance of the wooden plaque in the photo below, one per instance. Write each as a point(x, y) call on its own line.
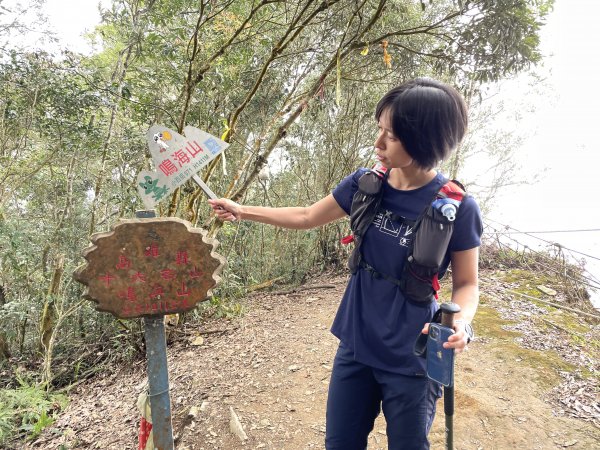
point(145, 267)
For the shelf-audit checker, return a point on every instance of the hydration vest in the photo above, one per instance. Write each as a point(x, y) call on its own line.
point(432, 232)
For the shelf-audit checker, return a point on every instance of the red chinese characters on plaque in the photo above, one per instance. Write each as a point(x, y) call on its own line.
point(145, 267)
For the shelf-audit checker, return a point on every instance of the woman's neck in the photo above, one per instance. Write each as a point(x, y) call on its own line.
point(409, 178)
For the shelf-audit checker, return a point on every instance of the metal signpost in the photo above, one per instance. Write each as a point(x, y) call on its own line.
point(148, 267)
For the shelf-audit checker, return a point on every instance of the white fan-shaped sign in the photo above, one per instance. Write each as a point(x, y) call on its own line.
point(176, 159)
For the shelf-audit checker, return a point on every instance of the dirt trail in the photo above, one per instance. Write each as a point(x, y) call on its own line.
point(272, 367)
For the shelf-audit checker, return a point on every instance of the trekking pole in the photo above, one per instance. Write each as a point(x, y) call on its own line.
point(448, 311)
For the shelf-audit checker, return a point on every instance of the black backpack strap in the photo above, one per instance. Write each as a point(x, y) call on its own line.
point(365, 205)
point(376, 274)
point(444, 180)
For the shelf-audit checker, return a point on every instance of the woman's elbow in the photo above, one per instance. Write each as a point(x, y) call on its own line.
point(303, 220)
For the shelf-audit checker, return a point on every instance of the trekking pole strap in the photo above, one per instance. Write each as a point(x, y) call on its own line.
point(420, 347)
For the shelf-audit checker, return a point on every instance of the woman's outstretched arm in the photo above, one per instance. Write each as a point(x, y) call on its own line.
point(320, 213)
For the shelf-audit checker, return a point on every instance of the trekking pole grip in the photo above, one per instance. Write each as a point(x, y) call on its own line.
point(448, 311)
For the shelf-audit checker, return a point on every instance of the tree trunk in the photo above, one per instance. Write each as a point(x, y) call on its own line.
point(4, 348)
point(48, 319)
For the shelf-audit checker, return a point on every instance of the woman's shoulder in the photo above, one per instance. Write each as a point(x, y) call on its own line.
point(468, 227)
point(345, 190)
point(352, 179)
point(469, 202)
point(359, 172)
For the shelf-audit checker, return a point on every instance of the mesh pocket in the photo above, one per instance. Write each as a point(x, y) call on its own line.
point(416, 282)
point(432, 239)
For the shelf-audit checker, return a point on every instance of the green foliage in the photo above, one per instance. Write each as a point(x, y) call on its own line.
point(26, 410)
point(297, 83)
point(222, 308)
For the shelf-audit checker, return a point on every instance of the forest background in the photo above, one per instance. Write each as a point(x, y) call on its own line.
point(291, 85)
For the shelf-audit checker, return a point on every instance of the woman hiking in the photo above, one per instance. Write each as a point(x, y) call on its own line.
point(420, 123)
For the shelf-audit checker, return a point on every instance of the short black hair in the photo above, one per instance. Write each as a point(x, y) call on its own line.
point(428, 116)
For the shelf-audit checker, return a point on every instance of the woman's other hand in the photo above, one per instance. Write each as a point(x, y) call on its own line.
point(458, 341)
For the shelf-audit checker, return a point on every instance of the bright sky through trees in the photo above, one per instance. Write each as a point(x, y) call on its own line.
point(562, 125)
point(557, 117)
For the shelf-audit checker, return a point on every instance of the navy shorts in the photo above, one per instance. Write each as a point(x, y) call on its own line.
point(357, 393)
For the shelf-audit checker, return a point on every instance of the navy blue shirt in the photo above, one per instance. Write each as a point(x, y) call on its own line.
point(374, 319)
